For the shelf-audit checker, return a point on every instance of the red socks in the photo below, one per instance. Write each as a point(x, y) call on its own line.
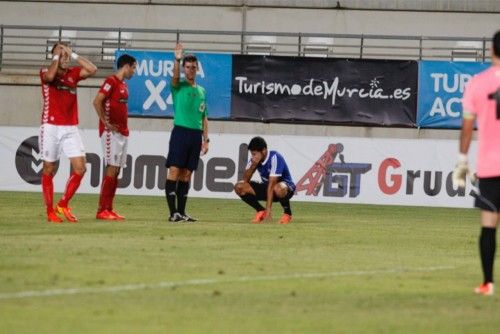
point(113, 192)
point(48, 192)
point(71, 187)
point(108, 190)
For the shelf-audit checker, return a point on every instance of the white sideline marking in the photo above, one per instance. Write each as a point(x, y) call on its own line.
point(195, 282)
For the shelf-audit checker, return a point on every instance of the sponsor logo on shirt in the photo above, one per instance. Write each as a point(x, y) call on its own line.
point(69, 89)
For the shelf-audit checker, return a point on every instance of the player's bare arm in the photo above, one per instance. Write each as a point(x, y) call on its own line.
point(247, 175)
point(50, 75)
point(177, 64)
point(257, 157)
point(98, 106)
point(462, 167)
point(466, 132)
point(273, 180)
point(88, 68)
point(204, 145)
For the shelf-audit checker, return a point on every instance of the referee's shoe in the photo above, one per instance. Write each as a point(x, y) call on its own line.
point(188, 218)
point(176, 217)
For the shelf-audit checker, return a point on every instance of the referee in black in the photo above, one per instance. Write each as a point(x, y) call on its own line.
point(189, 137)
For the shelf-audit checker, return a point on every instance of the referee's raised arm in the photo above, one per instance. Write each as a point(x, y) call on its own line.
point(177, 64)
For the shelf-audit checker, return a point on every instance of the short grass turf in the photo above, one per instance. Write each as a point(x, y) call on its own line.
point(334, 269)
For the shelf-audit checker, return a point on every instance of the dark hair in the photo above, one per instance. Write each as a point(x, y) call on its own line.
point(189, 59)
point(496, 44)
point(257, 144)
point(125, 60)
point(56, 45)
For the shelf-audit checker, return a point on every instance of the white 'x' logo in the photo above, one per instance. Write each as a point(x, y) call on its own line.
point(154, 96)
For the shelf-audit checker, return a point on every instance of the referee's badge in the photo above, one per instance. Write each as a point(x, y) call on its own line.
point(202, 107)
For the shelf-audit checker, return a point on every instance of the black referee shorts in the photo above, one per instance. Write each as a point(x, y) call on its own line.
point(184, 148)
point(489, 194)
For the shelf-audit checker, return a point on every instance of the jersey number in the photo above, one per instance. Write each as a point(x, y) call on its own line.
point(496, 96)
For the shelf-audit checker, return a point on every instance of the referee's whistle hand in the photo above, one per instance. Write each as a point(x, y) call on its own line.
point(204, 149)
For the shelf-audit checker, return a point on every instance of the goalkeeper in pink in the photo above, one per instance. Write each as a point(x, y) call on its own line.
point(481, 102)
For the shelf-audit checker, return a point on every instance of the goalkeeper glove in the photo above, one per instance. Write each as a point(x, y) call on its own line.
point(460, 172)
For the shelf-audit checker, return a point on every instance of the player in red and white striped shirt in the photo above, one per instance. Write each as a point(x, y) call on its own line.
point(59, 132)
point(111, 107)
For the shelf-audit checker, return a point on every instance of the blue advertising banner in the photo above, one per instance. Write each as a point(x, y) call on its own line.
point(150, 86)
point(440, 88)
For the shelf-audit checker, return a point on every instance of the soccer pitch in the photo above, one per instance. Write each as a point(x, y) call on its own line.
point(334, 269)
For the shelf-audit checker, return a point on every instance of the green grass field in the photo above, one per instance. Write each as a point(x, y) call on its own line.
point(335, 269)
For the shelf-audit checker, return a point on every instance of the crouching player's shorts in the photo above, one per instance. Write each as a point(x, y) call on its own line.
point(114, 147)
point(54, 139)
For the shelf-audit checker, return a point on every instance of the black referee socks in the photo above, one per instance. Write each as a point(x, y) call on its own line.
point(182, 192)
point(170, 187)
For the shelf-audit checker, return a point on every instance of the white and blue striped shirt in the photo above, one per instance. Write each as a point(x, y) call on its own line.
point(275, 165)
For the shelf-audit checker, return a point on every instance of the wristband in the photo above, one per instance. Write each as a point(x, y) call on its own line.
point(55, 57)
point(178, 59)
point(74, 56)
point(462, 158)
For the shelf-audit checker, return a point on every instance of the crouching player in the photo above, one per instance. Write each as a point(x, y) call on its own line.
point(276, 186)
point(111, 107)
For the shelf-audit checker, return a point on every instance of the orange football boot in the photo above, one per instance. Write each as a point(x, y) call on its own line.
point(486, 289)
point(105, 215)
point(259, 217)
point(52, 217)
point(285, 219)
point(66, 211)
point(118, 216)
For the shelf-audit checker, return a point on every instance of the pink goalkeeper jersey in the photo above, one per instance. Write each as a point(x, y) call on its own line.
point(481, 97)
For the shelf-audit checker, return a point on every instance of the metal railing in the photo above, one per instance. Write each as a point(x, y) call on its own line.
point(28, 47)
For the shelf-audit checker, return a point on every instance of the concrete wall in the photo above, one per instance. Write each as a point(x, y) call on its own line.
point(257, 19)
point(20, 101)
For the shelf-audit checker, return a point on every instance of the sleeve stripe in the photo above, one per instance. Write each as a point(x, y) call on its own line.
point(274, 164)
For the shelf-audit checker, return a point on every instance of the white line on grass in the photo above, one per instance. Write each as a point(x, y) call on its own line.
point(195, 282)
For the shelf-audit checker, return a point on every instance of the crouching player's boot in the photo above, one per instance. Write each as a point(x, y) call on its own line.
point(259, 217)
point(285, 219)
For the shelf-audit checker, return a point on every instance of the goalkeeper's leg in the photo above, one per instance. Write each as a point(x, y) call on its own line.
point(487, 248)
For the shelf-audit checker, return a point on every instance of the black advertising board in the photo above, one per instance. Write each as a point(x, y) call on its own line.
point(324, 90)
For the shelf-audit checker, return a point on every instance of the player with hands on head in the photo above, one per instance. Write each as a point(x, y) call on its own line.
point(59, 129)
point(110, 104)
point(189, 137)
point(276, 186)
point(481, 102)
